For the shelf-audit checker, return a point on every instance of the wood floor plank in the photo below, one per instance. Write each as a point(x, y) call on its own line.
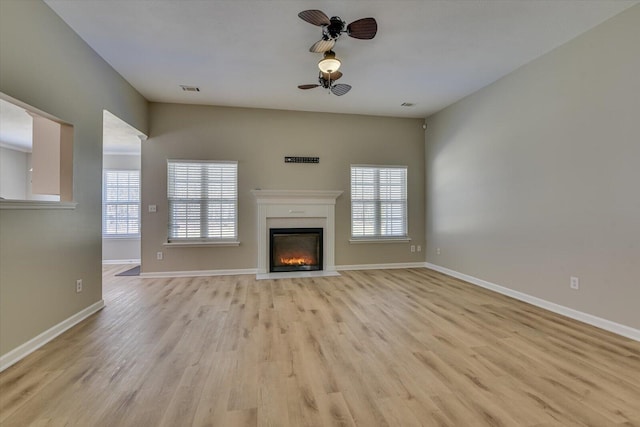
point(21, 389)
point(273, 402)
point(368, 348)
point(338, 414)
point(397, 413)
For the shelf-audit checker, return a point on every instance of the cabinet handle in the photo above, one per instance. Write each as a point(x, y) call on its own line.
point(296, 212)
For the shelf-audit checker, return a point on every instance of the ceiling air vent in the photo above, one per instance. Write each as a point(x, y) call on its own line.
point(190, 88)
point(407, 104)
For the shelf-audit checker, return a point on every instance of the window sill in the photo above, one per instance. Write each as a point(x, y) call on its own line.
point(198, 244)
point(36, 204)
point(380, 240)
point(129, 237)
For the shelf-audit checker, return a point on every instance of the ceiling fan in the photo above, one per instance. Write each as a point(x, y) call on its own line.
point(326, 80)
point(333, 27)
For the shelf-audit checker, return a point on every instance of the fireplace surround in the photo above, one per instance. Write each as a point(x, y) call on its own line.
point(296, 209)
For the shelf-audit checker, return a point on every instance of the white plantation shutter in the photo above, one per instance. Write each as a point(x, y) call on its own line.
point(121, 203)
point(378, 201)
point(203, 200)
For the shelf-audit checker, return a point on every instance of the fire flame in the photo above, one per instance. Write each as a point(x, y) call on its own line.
point(297, 260)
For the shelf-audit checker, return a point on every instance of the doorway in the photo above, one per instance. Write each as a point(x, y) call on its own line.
point(121, 195)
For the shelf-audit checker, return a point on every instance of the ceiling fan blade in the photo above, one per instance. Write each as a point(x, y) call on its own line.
point(333, 76)
point(315, 17)
point(307, 86)
point(340, 89)
point(365, 28)
point(322, 46)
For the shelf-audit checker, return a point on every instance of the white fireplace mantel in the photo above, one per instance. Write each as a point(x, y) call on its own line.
point(296, 208)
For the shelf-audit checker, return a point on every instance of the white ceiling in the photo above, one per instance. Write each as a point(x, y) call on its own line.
point(254, 53)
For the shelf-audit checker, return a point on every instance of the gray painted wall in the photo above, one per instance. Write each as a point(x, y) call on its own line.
point(259, 140)
point(42, 252)
point(535, 178)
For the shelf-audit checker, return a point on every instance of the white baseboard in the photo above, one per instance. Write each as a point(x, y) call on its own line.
point(607, 325)
point(196, 273)
point(120, 261)
point(33, 344)
point(380, 266)
point(200, 273)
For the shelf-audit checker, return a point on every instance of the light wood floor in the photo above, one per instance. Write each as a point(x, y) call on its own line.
point(370, 348)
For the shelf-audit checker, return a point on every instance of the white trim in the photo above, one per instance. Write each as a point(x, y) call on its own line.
point(380, 266)
point(323, 197)
point(296, 274)
point(201, 243)
point(356, 165)
point(196, 273)
point(607, 325)
point(33, 344)
point(296, 207)
point(112, 152)
point(120, 261)
point(36, 204)
point(358, 241)
point(228, 162)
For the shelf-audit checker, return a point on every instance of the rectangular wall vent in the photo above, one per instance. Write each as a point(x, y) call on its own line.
point(300, 159)
point(190, 88)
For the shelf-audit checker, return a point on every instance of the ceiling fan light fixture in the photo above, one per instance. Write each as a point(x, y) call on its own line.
point(329, 64)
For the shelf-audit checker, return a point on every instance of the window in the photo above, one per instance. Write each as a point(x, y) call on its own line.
point(121, 203)
point(378, 202)
point(203, 200)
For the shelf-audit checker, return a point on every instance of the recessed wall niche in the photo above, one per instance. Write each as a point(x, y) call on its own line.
point(36, 154)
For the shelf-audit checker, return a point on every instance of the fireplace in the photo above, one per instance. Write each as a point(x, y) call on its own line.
point(296, 209)
point(295, 249)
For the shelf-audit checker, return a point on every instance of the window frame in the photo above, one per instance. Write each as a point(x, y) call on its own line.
point(204, 207)
point(137, 203)
point(378, 236)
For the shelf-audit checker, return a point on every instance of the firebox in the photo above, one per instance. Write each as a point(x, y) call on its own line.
point(295, 249)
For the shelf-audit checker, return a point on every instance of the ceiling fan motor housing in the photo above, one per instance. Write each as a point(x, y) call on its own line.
point(335, 28)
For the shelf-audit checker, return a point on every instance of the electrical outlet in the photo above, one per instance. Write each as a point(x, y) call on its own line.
point(413, 248)
point(437, 251)
point(419, 248)
point(153, 208)
point(574, 283)
point(78, 286)
point(159, 256)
